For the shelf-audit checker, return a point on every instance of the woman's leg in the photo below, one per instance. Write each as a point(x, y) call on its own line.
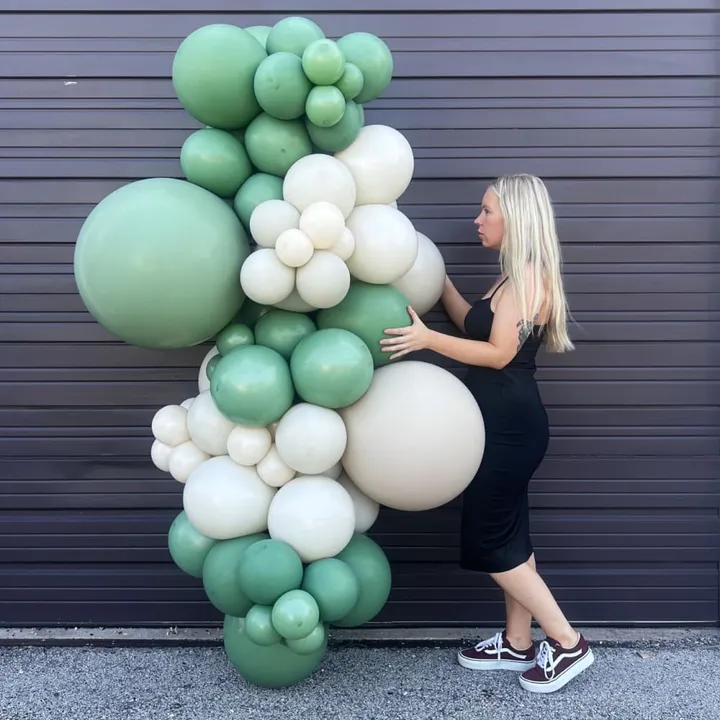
point(518, 621)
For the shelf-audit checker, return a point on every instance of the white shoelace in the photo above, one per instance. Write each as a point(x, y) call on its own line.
point(496, 642)
point(546, 659)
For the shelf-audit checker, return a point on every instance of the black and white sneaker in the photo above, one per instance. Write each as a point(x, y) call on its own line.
point(497, 653)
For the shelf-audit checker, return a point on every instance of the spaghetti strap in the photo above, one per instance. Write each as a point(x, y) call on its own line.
point(500, 284)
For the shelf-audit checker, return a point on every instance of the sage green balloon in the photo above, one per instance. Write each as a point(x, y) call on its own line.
point(220, 574)
point(259, 627)
point(269, 570)
point(233, 336)
point(213, 72)
point(282, 330)
point(372, 569)
point(293, 34)
point(332, 368)
point(295, 614)
point(325, 106)
point(334, 586)
point(311, 644)
point(188, 547)
point(323, 62)
point(281, 86)
point(275, 145)
point(157, 263)
point(352, 81)
point(250, 313)
point(260, 33)
point(252, 386)
point(256, 189)
point(374, 60)
point(339, 136)
point(211, 365)
point(274, 666)
point(215, 160)
point(368, 310)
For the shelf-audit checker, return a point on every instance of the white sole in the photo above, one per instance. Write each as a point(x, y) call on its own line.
point(495, 664)
point(562, 680)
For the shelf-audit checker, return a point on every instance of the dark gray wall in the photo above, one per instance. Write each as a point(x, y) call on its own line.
point(615, 106)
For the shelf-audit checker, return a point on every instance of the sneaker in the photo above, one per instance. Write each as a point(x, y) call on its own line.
point(557, 666)
point(497, 654)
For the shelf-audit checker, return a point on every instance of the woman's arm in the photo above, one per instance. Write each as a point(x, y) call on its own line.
point(456, 306)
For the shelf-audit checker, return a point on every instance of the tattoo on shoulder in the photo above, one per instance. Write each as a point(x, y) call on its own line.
point(525, 328)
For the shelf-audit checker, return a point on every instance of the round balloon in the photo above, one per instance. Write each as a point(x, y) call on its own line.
point(340, 135)
point(320, 178)
point(233, 336)
point(282, 330)
point(256, 189)
point(188, 546)
point(275, 145)
point(281, 86)
point(270, 219)
point(323, 62)
point(373, 58)
point(424, 282)
point(293, 34)
point(269, 569)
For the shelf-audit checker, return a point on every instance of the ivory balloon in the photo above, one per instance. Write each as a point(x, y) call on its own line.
point(265, 278)
point(366, 509)
point(273, 470)
point(209, 429)
point(270, 219)
point(324, 280)
point(424, 282)
point(160, 455)
point(320, 177)
point(323, 223)
point(344, 246)
point(294, 248)
point(248, 445)
point(169, 425)
point(185, 459)
point(294, 303)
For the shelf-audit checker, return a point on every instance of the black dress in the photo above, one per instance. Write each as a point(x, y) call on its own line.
point(495, 533)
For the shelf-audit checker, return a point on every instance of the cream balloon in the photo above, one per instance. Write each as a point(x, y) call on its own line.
point(324, 281)
point(344, 247)
point(294, 303)
point(273, 470)
point(323, 223)
point(294, 248)
point(160, 455)
point(424, 282)
point(188, 401)
point(184, 459)
point(248, 445)
point(270, 219)
point(203, 380)
point(415, 439)
point(319, 177)
point(366, 509)
point(333, 472)
point(169, 425)
point(209, 429)
point(265, 278)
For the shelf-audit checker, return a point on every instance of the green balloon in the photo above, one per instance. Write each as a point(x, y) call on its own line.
point(157, 263)
point(374, 60)
point(215, 160)
point(256, 189)
point(323, 62)
point(368, 310)
point(275, 145)
point(332, 368)
point(270, 569)
point(260, 33)
point(293, 35)
point(352, 81)
point(213, 72)
point(274, 666)
point(233, 336)
point(295, 614)
point(220, 574)
point(309, 645)
point(282, 330)
point(188, 547)
point(339, 136)
point(372, 569)
point(325, 106)
point(250, 313)
point(259, 627)
point(211, 365)
point(252, 386)
point(281, 86)
point(334, 586)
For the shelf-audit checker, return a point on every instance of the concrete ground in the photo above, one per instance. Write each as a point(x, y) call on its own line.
point(646, 675)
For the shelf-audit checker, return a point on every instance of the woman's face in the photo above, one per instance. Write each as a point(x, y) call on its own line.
point(490, 223)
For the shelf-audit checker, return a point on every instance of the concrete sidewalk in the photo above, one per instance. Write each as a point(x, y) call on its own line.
point(669, 676)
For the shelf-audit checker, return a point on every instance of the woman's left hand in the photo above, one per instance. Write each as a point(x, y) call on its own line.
point(409, 339)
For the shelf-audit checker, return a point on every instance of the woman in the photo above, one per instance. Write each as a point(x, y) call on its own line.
point(525, 307)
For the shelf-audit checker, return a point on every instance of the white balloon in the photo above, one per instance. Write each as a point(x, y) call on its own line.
point(314, 515)
point(203, 381)
point(424, 282)
point(333, 472)
point(324, 281)
point(294, 248)
point(209, 429)
point(386, 244)
point(265, 278)
point(381, 162)
point(270, 219)
point(273, 470)
point(323, 223)
point(169, 425)
point(160, 455)
point(344, 247)
point(225, 500)
point(294, 303)
point(310, 438)
point(366, 509)
point(320, 177)
point(248, 445)
point(184, 459)
point(188, 402)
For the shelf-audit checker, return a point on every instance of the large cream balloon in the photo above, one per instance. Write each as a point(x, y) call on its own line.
point(324, 280)
point(424, 282)
point(265, 278)
point(317, 178)
point(415, 439)
point(209, 429)
point(270, 219)
point(386, 244)
point(381, 162)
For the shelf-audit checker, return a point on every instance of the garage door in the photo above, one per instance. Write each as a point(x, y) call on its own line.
point(613, 103)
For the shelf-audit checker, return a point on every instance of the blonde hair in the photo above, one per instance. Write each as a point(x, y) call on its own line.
point(530, 254)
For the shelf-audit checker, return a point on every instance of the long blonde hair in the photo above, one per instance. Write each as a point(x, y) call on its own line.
point(530, 254)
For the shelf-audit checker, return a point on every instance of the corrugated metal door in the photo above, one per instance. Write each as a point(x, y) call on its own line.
point(613, 102)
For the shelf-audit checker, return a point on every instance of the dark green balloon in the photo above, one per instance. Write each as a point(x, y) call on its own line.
point(255, 190)
point(281, 86)
point(339, 136)
point(275, 145)
point(368, 310)
point(282, 330)
point(233, 336)
point(252, 386)
point(259, 627)
point(334, 586)
point(293, 34)
point(332, 368)
point(211, 365)
point(270, 569)
point(250, 313)
point(374, 60)
point(295, 615)
point(352, 81)
point(188, 547)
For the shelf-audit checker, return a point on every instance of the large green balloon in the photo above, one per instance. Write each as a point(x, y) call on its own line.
point(323, 62)
point(374, 59)
point(275, 145)
point(252, 386)
point(368, 310)
point(295, 614)
point(325, 106)
point(293, 34)
point(281, 86)
point(332, 368)
point(215, 160)
point(274, 666)
point(372, 569)
point(342, 134)
point(334, 586)
point(270, 569)
point(213, 72)
point(233, 336)
point(188, 547)
point(282, 330)
point(157, 263)
point(256, 189)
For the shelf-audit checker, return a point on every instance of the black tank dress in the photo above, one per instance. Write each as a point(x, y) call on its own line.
point(495, 532)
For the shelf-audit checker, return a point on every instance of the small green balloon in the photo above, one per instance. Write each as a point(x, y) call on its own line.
point(233, 336)
point(374, 60)
point(269, 570)
point(260, 33)
point(259, 627)
point(323, 62)
point(334, 586)
point(252, 386)
point(281, 86)
point(250, 313)
point(256, 189)
point(188, 547)
point(295, 615)
point(274, 146)
point(352, 81)
point(311, 644)
point(325, 106)
point(211, 365)
point(339, 136)
point(282, 330)
point(293, 34)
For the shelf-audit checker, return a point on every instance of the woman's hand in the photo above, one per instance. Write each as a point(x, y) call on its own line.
point(408, 339)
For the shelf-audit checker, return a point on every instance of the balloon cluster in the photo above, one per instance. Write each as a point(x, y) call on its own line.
point(285, 245)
